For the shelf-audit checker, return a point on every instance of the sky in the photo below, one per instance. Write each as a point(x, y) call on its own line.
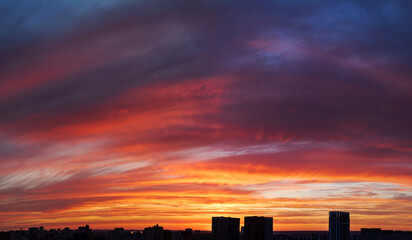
point(118, 113)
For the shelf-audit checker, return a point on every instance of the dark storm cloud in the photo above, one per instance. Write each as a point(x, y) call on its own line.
point(319, 87)
point(310, 93)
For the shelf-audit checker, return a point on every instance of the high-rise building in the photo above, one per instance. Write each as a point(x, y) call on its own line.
point(258, 228)
point(225, 228)
point(339, 226)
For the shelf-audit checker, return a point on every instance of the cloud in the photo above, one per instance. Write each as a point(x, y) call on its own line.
point(153, 111)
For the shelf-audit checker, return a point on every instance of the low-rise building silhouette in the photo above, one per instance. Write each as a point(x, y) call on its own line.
point(83, 233)
point(379, 234)
point(153, 233)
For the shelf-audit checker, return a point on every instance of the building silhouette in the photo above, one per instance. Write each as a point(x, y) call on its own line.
point(120, 234)
point(258, 228)
point(339, 225)
point(225, 228)
point(153, 233)
point(83, 233)
point(379, 234)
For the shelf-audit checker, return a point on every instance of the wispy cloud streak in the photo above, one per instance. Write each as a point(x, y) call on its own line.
point(141, 112)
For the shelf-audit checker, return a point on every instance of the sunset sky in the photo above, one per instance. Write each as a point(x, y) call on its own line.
point(131, 113)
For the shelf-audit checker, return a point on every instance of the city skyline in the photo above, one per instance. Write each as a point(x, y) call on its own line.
point(140, 112)
point(222, 228)
point(335, 219)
